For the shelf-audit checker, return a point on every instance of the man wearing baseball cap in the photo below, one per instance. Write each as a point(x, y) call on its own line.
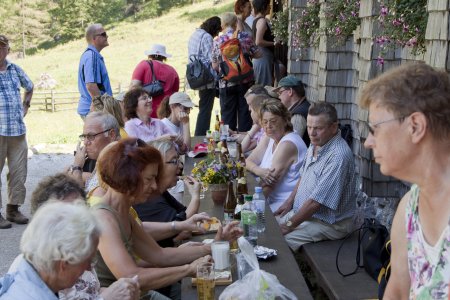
point(13, 144)
point(291, 92)
point(166, 74)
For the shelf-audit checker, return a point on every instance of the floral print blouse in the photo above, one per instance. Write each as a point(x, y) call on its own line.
point(430, 276)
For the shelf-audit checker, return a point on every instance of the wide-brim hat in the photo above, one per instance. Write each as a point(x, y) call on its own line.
point(157, 49)
point(181, 98)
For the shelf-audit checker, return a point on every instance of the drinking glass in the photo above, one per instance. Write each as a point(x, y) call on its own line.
point(221, 255)
point(205, 281)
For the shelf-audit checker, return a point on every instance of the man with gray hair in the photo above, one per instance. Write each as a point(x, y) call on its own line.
point(322, 204)
point(99, 130)
point(93, 77)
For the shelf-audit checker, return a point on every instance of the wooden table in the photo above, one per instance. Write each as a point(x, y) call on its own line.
point(284, 265)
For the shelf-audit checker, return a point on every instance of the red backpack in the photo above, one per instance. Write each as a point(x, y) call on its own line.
point(236, 65)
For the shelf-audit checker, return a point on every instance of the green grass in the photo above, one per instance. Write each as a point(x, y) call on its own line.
point(128, 41)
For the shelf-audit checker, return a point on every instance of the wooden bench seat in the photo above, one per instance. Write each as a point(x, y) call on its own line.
point(321, 258)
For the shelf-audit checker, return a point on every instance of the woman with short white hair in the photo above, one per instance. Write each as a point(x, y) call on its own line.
point(57, 246)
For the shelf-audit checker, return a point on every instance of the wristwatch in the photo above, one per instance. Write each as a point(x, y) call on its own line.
point(289, 224)
point(74, 168)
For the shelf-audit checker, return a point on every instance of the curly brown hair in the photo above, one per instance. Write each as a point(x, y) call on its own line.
point(130, 101)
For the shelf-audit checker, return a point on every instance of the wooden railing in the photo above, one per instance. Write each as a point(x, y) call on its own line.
point(53, 100)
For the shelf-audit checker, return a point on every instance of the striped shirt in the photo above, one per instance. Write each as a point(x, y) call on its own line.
point(330, 180)
point(11, 109)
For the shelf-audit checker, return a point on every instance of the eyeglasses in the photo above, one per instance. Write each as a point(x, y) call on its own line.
point(145, 98)
point(282, 90)
point(175, 161)
point(374, 126)
point(103, 34)
point(90, 137)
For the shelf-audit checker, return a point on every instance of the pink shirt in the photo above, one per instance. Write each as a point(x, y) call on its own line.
point(164, 73)
point(146, 132)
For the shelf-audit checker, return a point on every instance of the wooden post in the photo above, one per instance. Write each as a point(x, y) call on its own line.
point(53, 101)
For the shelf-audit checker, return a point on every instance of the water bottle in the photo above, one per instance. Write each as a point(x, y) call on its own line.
point(249, 220)
point(260, 204)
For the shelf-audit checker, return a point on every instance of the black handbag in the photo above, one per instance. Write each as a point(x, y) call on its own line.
point(155, 87)
point(372, 237)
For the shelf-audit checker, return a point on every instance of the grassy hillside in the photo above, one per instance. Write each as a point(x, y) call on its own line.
point(128, 41)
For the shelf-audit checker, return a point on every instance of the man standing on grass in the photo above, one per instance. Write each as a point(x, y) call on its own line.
point(13, 144)
point(93, 77)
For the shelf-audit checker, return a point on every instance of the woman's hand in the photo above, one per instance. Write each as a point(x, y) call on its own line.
point(193, 186)
point(123, 289)
point(183, 117)
point(230, 232)
point(267, 176)
point(191, 224)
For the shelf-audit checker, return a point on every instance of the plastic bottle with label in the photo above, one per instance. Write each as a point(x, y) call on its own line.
point(249, 221)
point(259, 202)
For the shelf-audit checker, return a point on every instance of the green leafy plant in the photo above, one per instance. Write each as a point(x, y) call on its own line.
point(403, 24)
point(280, 26)
point(342, 18)
point(305, 29)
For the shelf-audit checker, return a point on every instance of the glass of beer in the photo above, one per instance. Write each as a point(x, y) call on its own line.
point(205, 281)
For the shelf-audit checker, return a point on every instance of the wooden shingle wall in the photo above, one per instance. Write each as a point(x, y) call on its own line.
point(337, 75)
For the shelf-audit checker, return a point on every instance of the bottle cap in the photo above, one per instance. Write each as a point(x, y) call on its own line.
point(258, 189)
point(248, 198)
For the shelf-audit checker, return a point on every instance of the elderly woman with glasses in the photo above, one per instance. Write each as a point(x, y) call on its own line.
point(409, 109)
point(140, 124)
point(57, 247)
point(278, 157)
point(131, 172)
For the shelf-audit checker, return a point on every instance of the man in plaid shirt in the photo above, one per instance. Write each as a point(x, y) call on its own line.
point(13, 144)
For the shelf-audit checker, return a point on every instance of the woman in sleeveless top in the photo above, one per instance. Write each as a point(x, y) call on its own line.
point(131, 170)
point(265, 40)
point(409, 127)
point(279, 155)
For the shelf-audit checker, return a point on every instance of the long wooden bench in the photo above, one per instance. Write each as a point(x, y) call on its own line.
point(321, 257)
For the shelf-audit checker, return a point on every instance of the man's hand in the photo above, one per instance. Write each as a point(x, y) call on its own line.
point(80, 155)
point(284, 208)
point(286, 229)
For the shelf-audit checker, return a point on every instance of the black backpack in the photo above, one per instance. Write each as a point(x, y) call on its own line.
point(197, 73)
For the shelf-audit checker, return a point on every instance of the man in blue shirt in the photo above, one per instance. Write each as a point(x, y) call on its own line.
point(13, 144)
point(93, 77)
point(322, 205)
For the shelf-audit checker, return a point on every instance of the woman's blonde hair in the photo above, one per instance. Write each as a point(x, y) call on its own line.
point(228, 19)
point(108, 104)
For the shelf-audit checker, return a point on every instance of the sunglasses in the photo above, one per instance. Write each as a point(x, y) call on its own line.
point(103, 34)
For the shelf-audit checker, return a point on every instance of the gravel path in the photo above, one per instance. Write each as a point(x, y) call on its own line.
point(39, 166)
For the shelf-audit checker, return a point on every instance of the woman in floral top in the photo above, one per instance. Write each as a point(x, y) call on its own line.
point(409, 129)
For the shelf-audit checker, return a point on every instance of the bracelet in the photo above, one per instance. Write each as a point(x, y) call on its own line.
point(75, 168)
point(173, 226)
point(249, 135)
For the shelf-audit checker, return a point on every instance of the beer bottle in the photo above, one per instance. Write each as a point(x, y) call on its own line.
point(230, 203)
point(239, 154)
point(241, 188)
point(224, 153)
point(217, 124)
